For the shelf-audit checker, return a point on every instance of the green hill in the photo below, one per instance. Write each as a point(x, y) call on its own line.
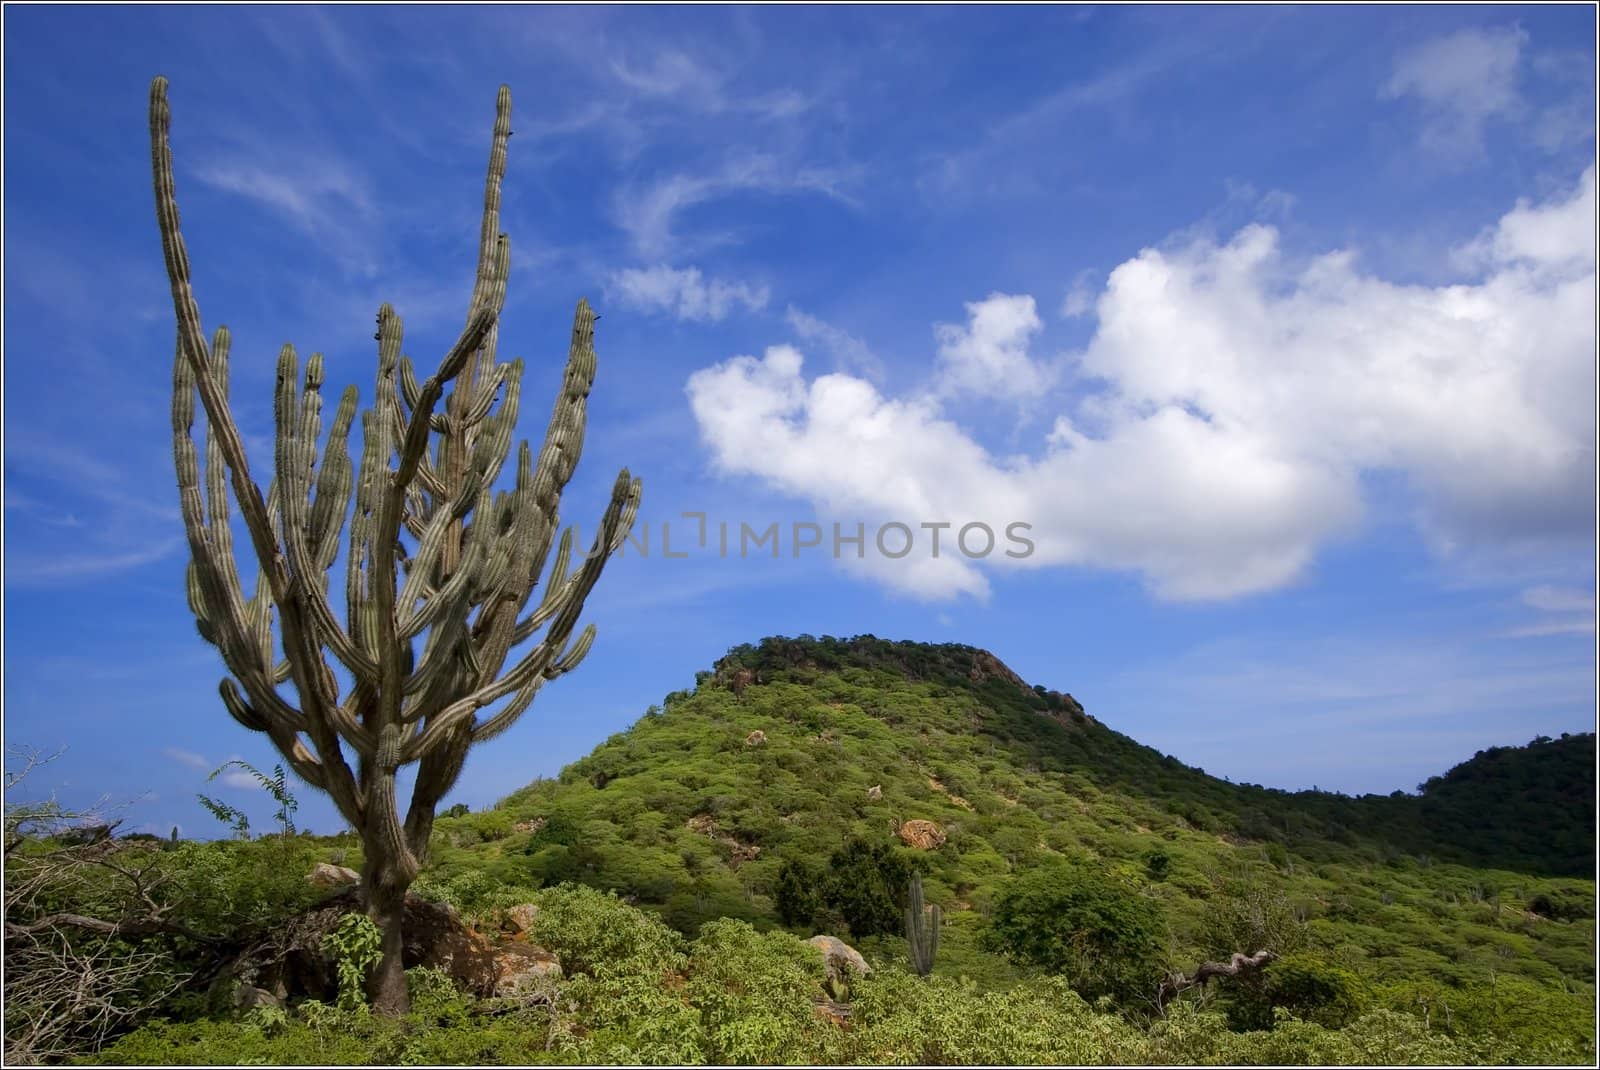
point(788, 750)
point(810, 786)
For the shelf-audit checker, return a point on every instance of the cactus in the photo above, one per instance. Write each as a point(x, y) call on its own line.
point(922, 928)
point(435, 557)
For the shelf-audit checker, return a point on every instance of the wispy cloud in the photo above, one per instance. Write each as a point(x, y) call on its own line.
point(187, 758)
point(684, 293)
point(327, 202)
point(33, 570)
point(648, 212)
point(1567, 611)
point(1462, 81)
point(848, 351)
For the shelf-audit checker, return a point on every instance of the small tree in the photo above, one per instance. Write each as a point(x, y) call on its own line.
point(1105, 938)
point(867, 885)
point(434, 555)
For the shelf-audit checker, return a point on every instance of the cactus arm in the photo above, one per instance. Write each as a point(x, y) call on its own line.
point(192, 344)
point(192, 349)
point(298, 428)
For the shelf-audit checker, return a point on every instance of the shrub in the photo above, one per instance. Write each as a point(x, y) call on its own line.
point(1066, 918)
point(867, 885)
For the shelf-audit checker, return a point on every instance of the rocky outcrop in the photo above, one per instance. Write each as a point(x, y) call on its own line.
point(755, 739)
point(292, 962)
point(519, 919)
point(739, 852)
point(839, 958)
point(923, 835)
point(525, 973)
point(327, 875)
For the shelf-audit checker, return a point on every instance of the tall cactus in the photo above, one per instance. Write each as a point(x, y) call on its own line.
point(434, 555)
point(922, 928)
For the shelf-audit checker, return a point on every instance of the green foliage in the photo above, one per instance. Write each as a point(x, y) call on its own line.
point(1414, 955)
point(355, 946)
point(1067, 918)
point(797, 897)
point(236, 819)
point(1158, 864)
point(276, 784)
point(866, 885)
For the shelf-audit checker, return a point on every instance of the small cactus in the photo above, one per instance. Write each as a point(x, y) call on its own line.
point(922, 928)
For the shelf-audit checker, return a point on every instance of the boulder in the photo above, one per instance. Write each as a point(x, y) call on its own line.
point(524, 972)
point(293, 960)
point(923, 835)
point(519, 919)
point(838, 956)
point(248, 997)
point(328, 875)
point(755, 739)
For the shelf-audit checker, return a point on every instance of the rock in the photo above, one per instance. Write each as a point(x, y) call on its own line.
point(923, 835)
point(838, 957)
point(327, 875)
point(875, 792)
point(519, 919)
point(531, 825)
point(248, 997)
point(293, 960)
point(524, 972)
point(832, 1012)
point(755, 739)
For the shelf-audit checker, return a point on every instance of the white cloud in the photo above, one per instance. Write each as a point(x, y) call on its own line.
point(648, 212)
point(989, 356)
point(1079, 300)
point(187, 757)
point(1556, 237)
point(1568, 611)
point(1462, 80)
point(674, 74)
point(1238, 403)
point(328, 202)
point(848, 351)
point(1559, 599)
point(685, 294)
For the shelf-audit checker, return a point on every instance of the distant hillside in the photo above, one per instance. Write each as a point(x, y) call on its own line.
point(790, 748)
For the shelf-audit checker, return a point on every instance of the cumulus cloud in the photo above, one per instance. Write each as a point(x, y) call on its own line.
point(1461, 80)
point(1236, 403)
point(988, 357)
point(684, 293)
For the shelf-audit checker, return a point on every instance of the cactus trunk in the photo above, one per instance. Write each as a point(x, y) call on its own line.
point(435, 558)
point(922, 929)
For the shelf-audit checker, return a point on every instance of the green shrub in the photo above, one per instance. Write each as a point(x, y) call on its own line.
point(1102, 936)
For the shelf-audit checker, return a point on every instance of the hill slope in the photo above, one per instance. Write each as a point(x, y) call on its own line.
point(788, 749)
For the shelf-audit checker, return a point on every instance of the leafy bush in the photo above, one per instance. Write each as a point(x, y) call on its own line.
point(1066, 918)
point(866, 885)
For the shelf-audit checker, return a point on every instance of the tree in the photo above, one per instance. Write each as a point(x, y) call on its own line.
point(1064, 917)
point(434, 555)
point(867, 885)
point(797, 897)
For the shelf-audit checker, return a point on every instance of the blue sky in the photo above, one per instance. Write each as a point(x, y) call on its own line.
point(1277, 325)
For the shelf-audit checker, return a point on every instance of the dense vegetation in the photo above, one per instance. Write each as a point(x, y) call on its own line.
point(679, 866)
